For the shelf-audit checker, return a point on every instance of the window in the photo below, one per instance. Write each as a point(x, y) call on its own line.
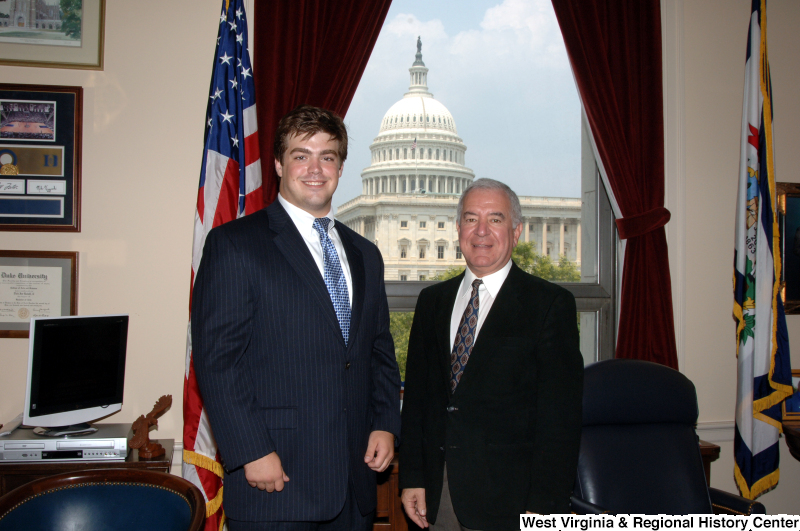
point(440, 252)
point(403, 252)
point(404, 224)
point(422, 224)
point(591, 241)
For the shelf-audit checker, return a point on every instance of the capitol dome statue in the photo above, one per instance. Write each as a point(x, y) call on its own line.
point(417, 148)
point(410, 190)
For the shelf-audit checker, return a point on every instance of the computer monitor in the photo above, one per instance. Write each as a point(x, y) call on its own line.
point(76, 371)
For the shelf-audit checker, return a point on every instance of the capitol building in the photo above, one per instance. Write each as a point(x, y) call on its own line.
point(410, 192)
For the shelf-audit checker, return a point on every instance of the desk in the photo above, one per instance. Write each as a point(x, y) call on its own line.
point(709, 452)
point(13, 475)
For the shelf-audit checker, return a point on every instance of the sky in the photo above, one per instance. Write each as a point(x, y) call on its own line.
point(502, 71)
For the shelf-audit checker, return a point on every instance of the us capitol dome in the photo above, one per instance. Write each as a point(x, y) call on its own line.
point(410, 190)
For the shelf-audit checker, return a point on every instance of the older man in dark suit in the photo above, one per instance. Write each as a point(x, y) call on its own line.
point(492, 409)
point(290, 332)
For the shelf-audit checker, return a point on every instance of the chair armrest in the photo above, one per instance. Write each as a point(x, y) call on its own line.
point(726, 503)
point(581, 506)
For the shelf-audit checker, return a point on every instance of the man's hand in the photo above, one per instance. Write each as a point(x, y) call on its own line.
point(380, 450)
point(414, 504)
point(266, 473)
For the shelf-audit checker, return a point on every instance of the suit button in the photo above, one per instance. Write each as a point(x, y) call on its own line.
point(347, 365)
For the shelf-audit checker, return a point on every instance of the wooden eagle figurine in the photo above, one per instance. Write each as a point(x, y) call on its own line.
point(141, 430)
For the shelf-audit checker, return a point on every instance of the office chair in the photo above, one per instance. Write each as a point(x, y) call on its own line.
point(91, 500)
point(639, 451)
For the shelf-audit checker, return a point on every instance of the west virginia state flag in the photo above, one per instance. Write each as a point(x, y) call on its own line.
point(762, 342)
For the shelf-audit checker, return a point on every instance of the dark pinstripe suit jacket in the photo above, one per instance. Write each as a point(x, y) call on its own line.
point(274, 371)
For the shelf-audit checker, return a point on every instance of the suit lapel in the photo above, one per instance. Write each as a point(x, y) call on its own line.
point(291, 244)
point(494, 326)
point(357, 273)
point(442, 316)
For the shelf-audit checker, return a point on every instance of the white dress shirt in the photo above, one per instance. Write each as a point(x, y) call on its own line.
point(305, 225)
point(487, 292)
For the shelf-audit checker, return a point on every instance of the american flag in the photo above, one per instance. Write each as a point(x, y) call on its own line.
point(230, 187)
point(414, 145)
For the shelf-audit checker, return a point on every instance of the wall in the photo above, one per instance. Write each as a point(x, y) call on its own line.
point(142, 148)
point(141, 156)
point(713, 37)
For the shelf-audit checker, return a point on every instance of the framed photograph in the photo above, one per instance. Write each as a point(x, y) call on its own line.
point(789, 227)
point(36, 284)
point(791, 406)
point(52, 33)
point(41, 128)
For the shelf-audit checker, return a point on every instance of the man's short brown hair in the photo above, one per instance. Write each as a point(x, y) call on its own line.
point(307, 121)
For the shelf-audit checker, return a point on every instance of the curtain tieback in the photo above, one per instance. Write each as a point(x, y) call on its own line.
point(640, 224)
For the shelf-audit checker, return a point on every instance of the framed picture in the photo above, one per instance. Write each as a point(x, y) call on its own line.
point(791, 406)
point(36, 284)
point(56, 34)
point(41, 128)
point(789, 228)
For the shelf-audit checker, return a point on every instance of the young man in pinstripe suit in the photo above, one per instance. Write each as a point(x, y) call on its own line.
point(292, 348)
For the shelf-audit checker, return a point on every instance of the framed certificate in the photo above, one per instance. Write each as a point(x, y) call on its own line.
point(40, 158)
point(788, 202)
point(791, 406)
point(36, 284)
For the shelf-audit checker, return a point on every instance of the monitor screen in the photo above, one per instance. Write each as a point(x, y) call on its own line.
point(76, 369)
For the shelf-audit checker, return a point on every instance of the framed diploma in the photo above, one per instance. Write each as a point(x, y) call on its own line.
point(40, 157)
point(36, 284)
point(791, 406)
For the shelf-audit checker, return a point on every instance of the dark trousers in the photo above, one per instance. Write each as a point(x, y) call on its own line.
point(349, 519)
point(446, 519)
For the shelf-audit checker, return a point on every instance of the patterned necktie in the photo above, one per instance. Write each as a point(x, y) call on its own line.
point(334, 277)
point(465, 337)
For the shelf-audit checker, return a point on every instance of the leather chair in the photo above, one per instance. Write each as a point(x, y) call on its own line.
point(639, 450)
point(91, 500)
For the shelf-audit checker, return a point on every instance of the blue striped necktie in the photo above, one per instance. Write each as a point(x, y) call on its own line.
point(465, 337)
point(334, 277)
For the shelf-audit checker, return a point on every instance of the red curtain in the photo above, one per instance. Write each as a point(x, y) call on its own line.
point(615, 50)
point(308, 51)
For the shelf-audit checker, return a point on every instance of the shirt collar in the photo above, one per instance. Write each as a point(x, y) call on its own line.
point(300, 217)
point(492, 282)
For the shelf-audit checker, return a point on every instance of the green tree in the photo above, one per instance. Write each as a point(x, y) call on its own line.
point(400, 328)
point(71, 11)
point(448, 273)
point(544, 266)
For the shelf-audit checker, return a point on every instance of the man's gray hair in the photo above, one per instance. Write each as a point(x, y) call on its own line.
point(484, 183)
